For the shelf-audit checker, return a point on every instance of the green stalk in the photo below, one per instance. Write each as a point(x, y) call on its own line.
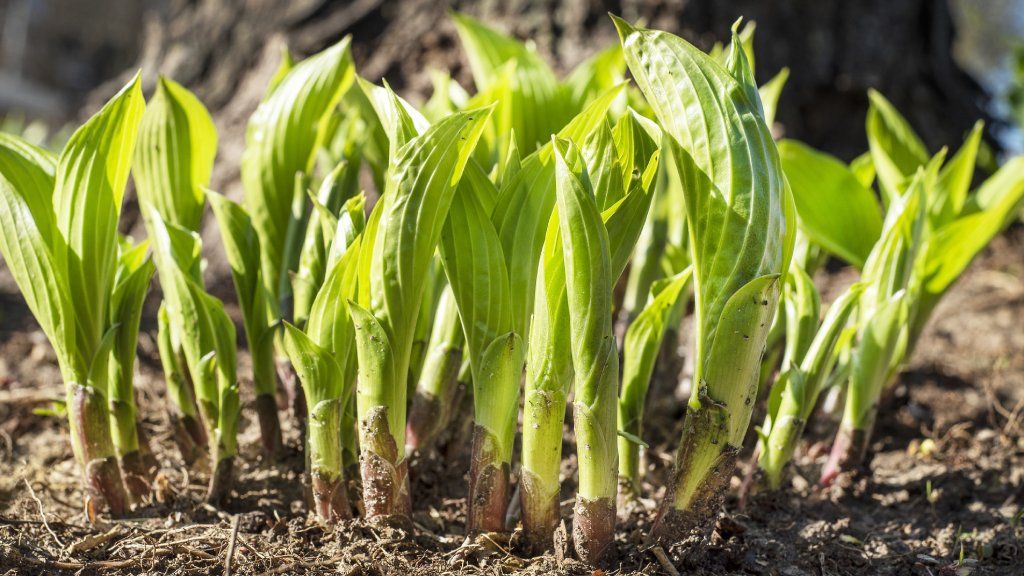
point(640, 351)
point(130, 285)
point(549, 371)
point(588, 279)
point(741, 227)
point(433, 405)
point(476, 269)
point(401, 236)
point(242, 248)
point(189, 433)
point(796, 392)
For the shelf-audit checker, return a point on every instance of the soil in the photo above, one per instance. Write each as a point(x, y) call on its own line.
point(943, 496)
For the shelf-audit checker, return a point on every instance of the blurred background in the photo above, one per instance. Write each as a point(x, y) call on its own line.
point(944, 63)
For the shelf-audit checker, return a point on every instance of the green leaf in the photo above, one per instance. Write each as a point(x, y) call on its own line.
point(802, 306)
point(329, 325)
point(533, 105)
point(770, 93)
point(595, 75)
point(173, 161)
point(29, 243)
point(319, 373)
point(835, 210)
point(952, 248)
point(406, 225)
point(524, 205)
point(876, 348)
point(589, 282)
point(821, 354)
point(90, 181)
point(897, 151)
point(130, 286)
point(738, 208)
point(281, 140)
point(955, 180)
point(863, 167)
point(643, 341)
point(733, 360)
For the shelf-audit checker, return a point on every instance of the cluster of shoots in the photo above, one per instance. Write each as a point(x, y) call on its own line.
point(479, 298)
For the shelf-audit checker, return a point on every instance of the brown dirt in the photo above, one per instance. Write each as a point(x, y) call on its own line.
point(944, 496)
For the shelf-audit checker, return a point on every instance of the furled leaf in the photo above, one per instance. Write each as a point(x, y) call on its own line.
point(174, 158)
point(281, 141)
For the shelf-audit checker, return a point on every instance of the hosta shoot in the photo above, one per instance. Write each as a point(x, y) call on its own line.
point(207, 337)
point(952, 227)
point(400, 239)
point(321, 354)
point(740, 222)
point(59, 240)
point(804, 372)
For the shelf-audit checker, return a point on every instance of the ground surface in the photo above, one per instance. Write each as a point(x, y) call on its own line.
point(944, 495)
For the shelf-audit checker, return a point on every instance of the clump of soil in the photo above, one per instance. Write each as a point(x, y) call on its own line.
point(943, 497)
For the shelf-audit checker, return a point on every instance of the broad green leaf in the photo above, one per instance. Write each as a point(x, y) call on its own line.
point(281, 140)
point(836, 211)
point(174, 157)
point(535, 105)
point(524, 206)
point(952, 248)
point(596, 75)
point(736, 201)
point(29, 243)
point(90, 181)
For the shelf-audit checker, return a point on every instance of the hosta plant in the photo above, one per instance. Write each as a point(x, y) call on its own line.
point(622, 187)
point(59, 240)
point(954, 226)
point(741, 232)
point(805, 370)
point(207, 337)
point(401, 236)
point(321, 354)
point(282, 139)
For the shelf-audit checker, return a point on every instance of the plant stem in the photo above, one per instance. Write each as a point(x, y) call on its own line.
point(94, 447)
point(330, 493)
point(433, 403)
